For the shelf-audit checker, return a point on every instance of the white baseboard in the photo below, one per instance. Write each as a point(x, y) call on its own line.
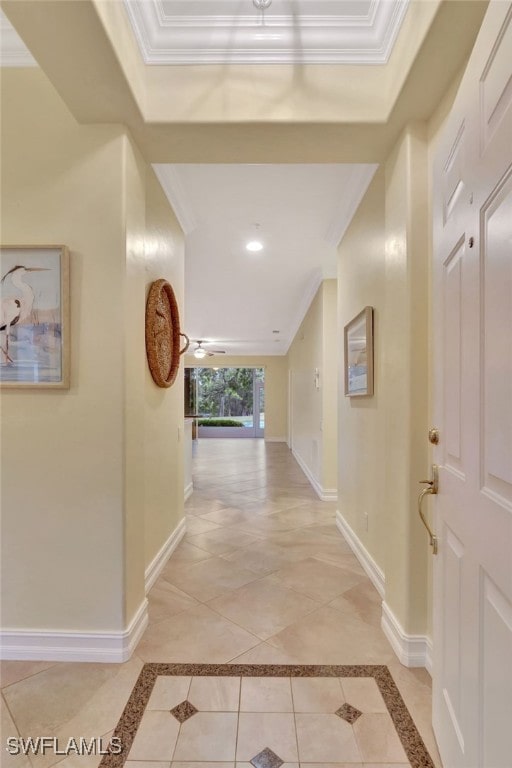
point(412, 650)
point(155, 567)
point(374, 572)
point(276, 440)
point(48, 645)
point(429, 656)
point(55, 645)
point(329, 494)
point(189, 490)
point(325, 494)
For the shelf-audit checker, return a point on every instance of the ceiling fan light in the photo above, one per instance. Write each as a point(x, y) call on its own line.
point(254, 246)
point(200, 353)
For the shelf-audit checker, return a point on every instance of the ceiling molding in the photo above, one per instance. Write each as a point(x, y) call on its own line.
point(167, 39)
point(360, 178)
point(169, 178)
point(305, 303)
point(13, 51)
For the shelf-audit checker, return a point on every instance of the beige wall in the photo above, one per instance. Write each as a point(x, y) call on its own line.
point(276, 386)
point(133, 340)
point(313, 411)
point(164, 408)
point(361, 443)
point(62, 496)
point(329, 386)
point(406, 372)
point(383, 447)
point(84, 481)
point(306, 354)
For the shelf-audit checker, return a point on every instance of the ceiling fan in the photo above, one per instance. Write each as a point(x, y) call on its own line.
point(201, 352)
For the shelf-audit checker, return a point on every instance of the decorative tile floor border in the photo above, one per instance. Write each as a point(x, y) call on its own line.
point(126, 729)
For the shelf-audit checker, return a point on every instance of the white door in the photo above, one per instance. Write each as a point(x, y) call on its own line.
point(259, 408)
point(472, 318)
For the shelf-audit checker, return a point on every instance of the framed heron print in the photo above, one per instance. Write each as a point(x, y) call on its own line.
point(359, 355)
point(34, 322)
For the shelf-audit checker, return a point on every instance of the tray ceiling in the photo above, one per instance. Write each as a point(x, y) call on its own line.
point(288, 32)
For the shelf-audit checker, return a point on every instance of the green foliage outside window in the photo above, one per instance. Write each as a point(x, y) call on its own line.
point(220, 423)
point(226, 392)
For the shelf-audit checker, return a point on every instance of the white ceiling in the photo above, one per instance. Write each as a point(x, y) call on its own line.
point(234, 298)
point(289, 31)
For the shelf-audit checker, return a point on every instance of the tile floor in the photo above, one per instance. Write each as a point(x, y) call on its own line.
point(266, 716)
point(262, 577)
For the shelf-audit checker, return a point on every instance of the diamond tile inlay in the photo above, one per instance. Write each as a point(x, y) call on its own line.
point(267, 759)
point(183, 711)
point(349, 713)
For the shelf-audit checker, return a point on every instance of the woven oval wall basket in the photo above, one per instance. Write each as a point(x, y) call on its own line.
point(163, 333)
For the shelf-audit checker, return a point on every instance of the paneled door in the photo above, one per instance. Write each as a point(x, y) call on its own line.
point(472, 319)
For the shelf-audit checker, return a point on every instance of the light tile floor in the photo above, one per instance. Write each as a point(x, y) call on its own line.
point(226, 714)
point(263, 576)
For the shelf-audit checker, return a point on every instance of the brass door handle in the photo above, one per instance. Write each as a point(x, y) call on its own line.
point(433, 486)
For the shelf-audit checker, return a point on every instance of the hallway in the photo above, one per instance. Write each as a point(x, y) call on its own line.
point(265, 567)
point(262, 577)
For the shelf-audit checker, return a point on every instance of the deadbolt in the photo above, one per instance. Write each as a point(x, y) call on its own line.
point(433, 435)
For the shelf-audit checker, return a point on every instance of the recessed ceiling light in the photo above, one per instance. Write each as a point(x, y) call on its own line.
point(254, 245)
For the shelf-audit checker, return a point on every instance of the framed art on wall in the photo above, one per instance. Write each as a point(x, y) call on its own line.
point(34, 321)
point(359, 355)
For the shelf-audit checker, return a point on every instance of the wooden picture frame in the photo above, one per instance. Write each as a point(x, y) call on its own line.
point(34, 323)
point(359, 355)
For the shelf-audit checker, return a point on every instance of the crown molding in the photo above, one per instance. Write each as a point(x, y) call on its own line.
point(13, 51)
point(307, 297)
point(166, 39)
point(357, 184)
point(172, 185)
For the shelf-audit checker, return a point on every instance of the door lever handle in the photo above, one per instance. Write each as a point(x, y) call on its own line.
point(433, 487)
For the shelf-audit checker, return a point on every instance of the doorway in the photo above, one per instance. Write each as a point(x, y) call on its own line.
point(259, 406)
point(230, 402)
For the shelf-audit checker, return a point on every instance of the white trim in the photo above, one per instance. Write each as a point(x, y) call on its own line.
point(13, 51)
point(356, 186)
point(329, 494)
point(54, 645)
point(324, 494)
point(429, 656)
point(155, 567)
point(373, 571)
point(305, 303)
point(189, 490)
point(172, 185)
point(412, 650)
point(241, 38)
point(276, 440)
